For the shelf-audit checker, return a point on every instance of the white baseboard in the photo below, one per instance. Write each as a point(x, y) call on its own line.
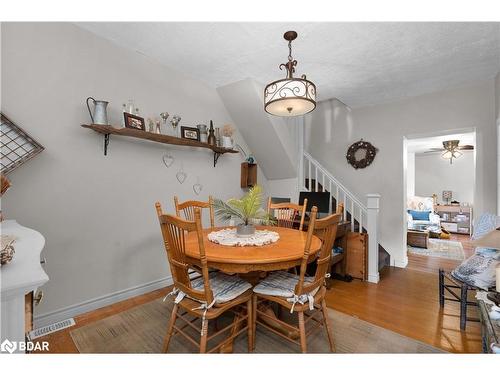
point(96, 303)
point(374, 278)
point(401, 263)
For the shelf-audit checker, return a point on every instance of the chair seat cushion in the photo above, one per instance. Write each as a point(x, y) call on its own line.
point(224, 287)
point(281, 284)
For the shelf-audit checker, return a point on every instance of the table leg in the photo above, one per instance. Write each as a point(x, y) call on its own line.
point(253, 277)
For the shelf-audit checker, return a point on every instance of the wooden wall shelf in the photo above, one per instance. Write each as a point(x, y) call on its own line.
point(107, 130)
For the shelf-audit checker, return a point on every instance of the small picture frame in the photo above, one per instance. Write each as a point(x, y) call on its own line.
point(190, 133)
point(133, 121)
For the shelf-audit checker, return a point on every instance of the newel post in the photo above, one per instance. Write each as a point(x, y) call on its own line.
point(373, 205)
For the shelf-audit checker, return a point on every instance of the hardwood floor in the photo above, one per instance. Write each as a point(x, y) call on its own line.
point(404, 301)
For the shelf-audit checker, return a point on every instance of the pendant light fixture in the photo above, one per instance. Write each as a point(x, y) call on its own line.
point(290, 96)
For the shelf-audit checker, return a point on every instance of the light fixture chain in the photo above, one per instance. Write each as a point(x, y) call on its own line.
point(290, 58)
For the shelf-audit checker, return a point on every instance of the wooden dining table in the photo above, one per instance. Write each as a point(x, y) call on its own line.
point(251, 261)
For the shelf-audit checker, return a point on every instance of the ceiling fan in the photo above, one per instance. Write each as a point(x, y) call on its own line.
point(451, 149)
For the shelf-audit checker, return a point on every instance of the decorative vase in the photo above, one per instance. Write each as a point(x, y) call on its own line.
point(158, 127)
point(227, 142)
point(243, 230)
point(211, 136)
point(217, 137)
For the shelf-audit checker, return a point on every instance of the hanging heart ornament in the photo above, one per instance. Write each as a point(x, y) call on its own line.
point(197, 188)
point(168, 160)
point(181, 176)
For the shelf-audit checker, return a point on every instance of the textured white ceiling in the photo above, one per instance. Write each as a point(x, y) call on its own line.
point(421, 145)
point(358, 63)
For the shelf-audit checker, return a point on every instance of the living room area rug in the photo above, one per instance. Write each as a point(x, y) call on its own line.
point(141, 329)
point(440, 248)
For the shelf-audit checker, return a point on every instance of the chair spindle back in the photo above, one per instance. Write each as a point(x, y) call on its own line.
point(188, 208)
point(286, 213)
point(174, 231)
point(326, 230)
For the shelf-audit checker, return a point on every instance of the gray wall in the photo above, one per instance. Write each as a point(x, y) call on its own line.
point(97, 213)
point(332, 127)
point(433, 174)
point(497, 104)
point(410, 174)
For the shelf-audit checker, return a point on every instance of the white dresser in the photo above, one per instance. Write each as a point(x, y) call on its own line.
point(23, 275)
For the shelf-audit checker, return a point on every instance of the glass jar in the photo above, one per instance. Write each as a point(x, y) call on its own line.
point(203, 133)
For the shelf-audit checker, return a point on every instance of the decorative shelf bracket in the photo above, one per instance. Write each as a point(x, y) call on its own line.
point(106, 143)
point(216, 157)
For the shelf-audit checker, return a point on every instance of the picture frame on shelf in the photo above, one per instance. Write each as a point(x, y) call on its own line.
point(134, 122)
point(190, 133)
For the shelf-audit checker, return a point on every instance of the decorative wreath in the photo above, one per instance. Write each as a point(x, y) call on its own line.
point(361, 154)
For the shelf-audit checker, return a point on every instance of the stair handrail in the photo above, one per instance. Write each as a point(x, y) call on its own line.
point(335, 181)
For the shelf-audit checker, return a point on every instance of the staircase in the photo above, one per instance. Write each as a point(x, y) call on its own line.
point(363, 218)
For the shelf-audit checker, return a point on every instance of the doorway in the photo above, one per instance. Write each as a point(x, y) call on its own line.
point(439, 204)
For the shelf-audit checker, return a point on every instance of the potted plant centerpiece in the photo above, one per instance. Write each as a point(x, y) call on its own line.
point(248, 210)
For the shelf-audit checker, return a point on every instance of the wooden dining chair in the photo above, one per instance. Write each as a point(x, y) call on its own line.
point(206, 297)
point(298, 293)
point(187, 208)
point(286, 213)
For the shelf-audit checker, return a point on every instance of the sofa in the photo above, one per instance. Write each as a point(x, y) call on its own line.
point(417, 209)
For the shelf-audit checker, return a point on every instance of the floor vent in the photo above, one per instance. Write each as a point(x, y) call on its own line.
point(39, 332)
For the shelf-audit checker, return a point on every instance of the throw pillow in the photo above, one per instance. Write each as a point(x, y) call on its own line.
point(478, 270)
point(419, 215)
